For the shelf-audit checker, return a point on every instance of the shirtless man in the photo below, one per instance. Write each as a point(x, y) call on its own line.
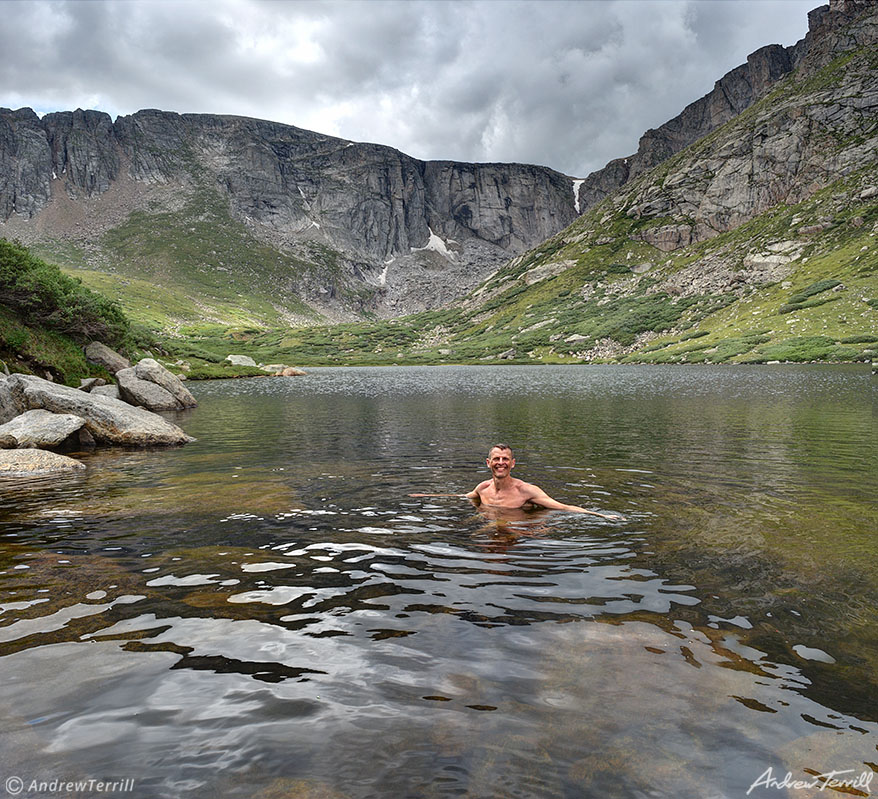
point(505, 491)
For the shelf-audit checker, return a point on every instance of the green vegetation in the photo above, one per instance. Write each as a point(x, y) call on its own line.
point(48, 298)
point(46, 317)
point(33, 349)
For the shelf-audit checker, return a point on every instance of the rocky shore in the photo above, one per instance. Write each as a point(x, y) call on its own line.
point(38, 416)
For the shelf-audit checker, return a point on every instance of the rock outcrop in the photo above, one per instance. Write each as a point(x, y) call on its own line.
point(40, 428)
point(102, 355)
point(108, 420)
point(15, 463)
point(144, 393)
point(9, 407)
point(151, 370)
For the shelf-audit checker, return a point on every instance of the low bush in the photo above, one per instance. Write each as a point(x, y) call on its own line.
point(44, 296)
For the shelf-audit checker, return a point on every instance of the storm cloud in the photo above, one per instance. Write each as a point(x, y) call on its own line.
point(569, 84)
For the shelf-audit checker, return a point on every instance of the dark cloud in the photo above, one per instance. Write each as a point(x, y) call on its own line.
point(566, 83)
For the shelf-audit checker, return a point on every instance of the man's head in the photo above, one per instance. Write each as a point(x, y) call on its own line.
point(500, 460)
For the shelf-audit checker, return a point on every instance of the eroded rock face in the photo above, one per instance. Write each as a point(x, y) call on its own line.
point(108, 420)
point(15, 463)
point(102, 355)
point(39, 428)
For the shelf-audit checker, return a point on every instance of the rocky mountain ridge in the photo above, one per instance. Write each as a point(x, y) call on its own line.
point(346, 228)
point(411, 232)
point(829, 32)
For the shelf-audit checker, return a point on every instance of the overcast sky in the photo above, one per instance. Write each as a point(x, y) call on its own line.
point(569, 84)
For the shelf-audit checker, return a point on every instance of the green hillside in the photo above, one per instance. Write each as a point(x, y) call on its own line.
point(46, 317)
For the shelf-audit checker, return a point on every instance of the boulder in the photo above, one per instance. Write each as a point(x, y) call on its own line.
point(107, 391)
point(102, 355)
point(241, 360)
point(7, 441)
point(291, 371)
point(152, 370)
point(144, 392)
point(9, 408)
point(35, 463)
point(108, 420)
point(40, 429)
point(273, 368)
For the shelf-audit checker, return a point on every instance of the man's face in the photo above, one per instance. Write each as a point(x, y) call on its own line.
point(500, 462)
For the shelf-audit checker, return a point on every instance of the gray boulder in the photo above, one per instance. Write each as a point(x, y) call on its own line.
point(9, 408)
point(35, 463)
point(150, 369)
point(107, 391)
point(102, 355)
point(144, 392)
point(240, 360)
point(108, 420)
point(39, 428)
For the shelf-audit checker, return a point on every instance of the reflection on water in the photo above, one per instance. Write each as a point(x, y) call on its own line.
point(266, 612)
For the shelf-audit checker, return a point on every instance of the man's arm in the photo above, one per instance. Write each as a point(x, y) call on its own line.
point(475, 496)
point(541, 498)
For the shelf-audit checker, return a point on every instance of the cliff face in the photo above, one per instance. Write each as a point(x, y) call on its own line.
point(829, 32)
point(413, 233)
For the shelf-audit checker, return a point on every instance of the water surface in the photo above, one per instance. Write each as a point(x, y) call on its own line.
point(266, 612)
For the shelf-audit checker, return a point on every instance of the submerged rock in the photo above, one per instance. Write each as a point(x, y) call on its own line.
point(108, 420)
point(35, 463)
point(39, 428)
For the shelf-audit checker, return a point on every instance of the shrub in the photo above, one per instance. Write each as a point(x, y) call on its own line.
point(45, 296)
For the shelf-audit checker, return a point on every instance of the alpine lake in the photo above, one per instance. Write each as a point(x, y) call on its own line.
point(266, 612)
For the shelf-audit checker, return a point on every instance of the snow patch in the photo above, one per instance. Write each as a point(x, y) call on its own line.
point(576, 185)
point(436, 245)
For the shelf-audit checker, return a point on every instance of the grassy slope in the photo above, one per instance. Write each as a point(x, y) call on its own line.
point(195, 266)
